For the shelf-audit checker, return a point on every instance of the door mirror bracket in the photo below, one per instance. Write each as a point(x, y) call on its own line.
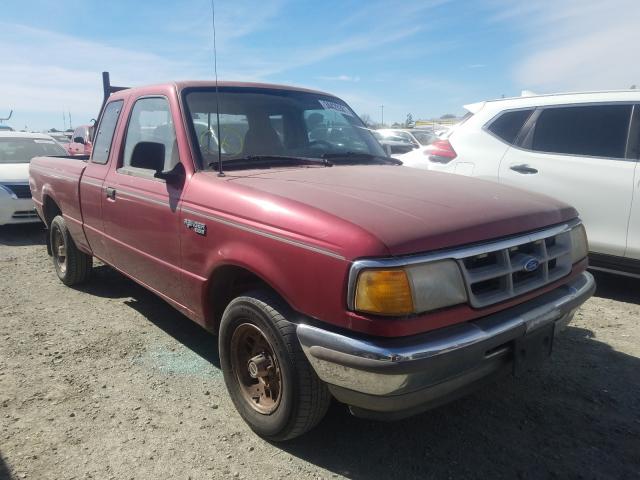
point(173, 176)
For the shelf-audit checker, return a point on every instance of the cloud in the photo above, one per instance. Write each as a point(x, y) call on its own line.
point(45, 73)
point(51, 72)
point(340, 78)
point(261, 64)
point(576, 44)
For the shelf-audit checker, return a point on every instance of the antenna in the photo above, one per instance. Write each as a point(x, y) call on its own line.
point(215, 70)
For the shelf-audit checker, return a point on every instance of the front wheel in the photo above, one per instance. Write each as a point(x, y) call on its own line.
point(269, 379)
point(72, 266)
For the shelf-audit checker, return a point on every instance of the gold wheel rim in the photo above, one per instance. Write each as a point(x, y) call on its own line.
point(256, 369)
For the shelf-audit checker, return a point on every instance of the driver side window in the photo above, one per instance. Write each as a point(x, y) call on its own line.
point(150, 121)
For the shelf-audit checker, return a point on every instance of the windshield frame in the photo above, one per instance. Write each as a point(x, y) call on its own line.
point(198, 159)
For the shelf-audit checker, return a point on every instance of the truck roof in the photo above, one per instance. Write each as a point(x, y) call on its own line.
point(184, 84)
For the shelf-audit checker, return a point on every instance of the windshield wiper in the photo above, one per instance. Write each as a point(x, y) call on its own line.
point(360, 157)
point(270, 160)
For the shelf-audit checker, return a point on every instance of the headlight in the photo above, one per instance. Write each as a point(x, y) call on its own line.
point(9, 191)
point(579, 244)
point(411, 289)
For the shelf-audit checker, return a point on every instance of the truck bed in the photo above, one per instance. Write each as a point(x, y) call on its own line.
point(58, 179)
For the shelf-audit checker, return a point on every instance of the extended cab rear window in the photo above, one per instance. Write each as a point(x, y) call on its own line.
point(106, 129)
point(508, 124)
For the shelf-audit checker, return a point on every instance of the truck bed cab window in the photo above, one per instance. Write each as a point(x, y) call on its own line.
point(105, 132)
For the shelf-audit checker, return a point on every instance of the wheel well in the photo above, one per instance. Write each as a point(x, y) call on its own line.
point(50, 209)
point(227, 283)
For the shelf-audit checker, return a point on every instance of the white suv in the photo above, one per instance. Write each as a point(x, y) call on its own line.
point(582, 148)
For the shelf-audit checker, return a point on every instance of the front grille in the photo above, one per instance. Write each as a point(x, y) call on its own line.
point(496, 275)
point(21, 190)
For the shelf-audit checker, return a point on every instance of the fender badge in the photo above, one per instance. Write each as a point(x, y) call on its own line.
point(196, 227)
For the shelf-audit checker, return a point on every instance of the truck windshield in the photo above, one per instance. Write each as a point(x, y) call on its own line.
point(23, 149)
point(259, 122)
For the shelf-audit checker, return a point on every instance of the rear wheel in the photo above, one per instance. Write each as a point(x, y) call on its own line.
point(72, 266)
point(269, 379)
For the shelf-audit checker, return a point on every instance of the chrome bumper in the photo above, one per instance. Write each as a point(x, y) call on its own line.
point(401, 374)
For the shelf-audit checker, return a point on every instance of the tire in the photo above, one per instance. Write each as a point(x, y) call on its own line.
point(302, 398)
point(72, 266)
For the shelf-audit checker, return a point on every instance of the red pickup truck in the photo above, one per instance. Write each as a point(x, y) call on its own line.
point(327, 269)
point(80, 143)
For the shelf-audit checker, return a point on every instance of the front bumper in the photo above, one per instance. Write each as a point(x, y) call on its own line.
point(393, 378)
point(20, 210)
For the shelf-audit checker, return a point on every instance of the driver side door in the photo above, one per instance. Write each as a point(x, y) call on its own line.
point(141, 213)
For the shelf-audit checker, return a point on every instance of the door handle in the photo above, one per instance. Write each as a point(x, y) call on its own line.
point(524, 169)
point(111, 193)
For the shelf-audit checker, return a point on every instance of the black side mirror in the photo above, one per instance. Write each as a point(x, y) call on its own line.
point(175, 175)
point(148, 155)
point(78, 140)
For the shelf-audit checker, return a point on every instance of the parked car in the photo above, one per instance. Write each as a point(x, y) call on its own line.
point(81, 140)
point(324, 267)
point(581, 148)
point(16, 150)
point(417, 140)
point(5, 128)
point(395, 147)
point(62, 138)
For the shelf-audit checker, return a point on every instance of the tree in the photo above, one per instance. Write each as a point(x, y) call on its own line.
point(408, 123)
point(447, 116)
point(367, 120)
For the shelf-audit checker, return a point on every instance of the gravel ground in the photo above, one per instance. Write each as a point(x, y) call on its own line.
point(108, 381)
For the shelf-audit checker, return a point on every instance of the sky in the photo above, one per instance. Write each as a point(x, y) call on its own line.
point(423, 57)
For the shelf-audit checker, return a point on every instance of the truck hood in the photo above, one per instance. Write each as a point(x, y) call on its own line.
point(14, 172)
point(410, 210)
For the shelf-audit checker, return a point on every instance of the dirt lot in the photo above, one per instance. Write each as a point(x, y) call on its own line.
point(108, 381)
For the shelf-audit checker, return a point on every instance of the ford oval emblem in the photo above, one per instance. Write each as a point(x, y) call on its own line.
point(531, 265)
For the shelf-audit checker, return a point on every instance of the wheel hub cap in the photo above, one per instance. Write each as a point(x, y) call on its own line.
point(256, 368)
point(59, 250)
point(259, 365)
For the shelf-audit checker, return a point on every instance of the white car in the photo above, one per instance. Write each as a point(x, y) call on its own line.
point(16, 151)
point(416, 141)
point(582, 148)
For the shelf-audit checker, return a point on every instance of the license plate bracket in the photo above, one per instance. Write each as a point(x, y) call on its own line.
point(532, 349)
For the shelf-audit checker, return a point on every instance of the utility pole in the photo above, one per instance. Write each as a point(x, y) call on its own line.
point(382, 114)
point(64, 122)
point(70, 120)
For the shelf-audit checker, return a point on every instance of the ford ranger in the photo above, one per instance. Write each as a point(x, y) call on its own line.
point(272, 217)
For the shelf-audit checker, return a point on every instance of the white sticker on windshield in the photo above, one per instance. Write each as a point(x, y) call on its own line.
point(328, 105)
point(42, 140)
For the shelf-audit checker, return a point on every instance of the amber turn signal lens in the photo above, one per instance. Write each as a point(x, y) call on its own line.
point(384, 292)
